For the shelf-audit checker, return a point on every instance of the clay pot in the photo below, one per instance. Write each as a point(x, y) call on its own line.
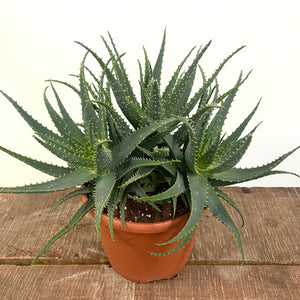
point(129, 253)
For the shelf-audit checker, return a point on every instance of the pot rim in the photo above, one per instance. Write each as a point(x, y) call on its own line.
point(139, 227)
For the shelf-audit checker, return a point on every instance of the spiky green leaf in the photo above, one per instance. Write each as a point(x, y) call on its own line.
point(179, 97)
point(136, 163)
point(73, 88)
point(219, 212)
point(94, 125)
point(69, 180)
point(37, 127)
point(232, 156)
point(209, 81)
point(154, 107)
point(169, 88)
point(121, 72)
point(122, 150)
point(237, 133)
point(46, 168)
point(81, 191)
point(129, 107)
point(198, 189)
point(104, 186)
point(66, 153)
point(82, 211)
point(71, 125)
point(59, 122)
point(175, 190)
point(237, 175)
point(140, 173)
point(121, 127)
point(224, 196)
point(158, 65)
point(180, 245)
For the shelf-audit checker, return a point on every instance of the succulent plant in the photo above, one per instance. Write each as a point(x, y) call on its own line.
point(167, 146)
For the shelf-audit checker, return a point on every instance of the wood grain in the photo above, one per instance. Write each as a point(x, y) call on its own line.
point(76, 267)
point(271, 234)
point(26, 225)
point(194, 282)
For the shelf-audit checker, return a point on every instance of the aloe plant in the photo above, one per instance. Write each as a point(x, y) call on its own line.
point(170, 134)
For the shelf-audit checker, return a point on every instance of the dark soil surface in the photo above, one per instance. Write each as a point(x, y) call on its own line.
point(140, 211)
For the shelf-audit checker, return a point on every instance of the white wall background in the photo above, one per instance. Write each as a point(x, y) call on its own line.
point(36, 43)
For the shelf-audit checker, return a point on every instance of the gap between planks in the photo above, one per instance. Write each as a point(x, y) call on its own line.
point(27, 263)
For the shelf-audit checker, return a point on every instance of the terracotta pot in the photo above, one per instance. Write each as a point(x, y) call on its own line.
point(129, 253)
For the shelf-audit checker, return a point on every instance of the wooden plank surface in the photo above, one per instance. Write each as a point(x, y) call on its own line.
point(271, 234)
point(75, 267)
point(194, 282)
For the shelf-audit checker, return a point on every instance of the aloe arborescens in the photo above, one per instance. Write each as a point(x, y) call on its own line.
point(170, 134)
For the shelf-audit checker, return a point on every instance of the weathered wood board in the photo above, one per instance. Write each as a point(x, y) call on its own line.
point(193, 283)
point(76, 267)
point(271, 233)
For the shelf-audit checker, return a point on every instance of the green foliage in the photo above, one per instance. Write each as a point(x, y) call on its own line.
point(169, 145)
